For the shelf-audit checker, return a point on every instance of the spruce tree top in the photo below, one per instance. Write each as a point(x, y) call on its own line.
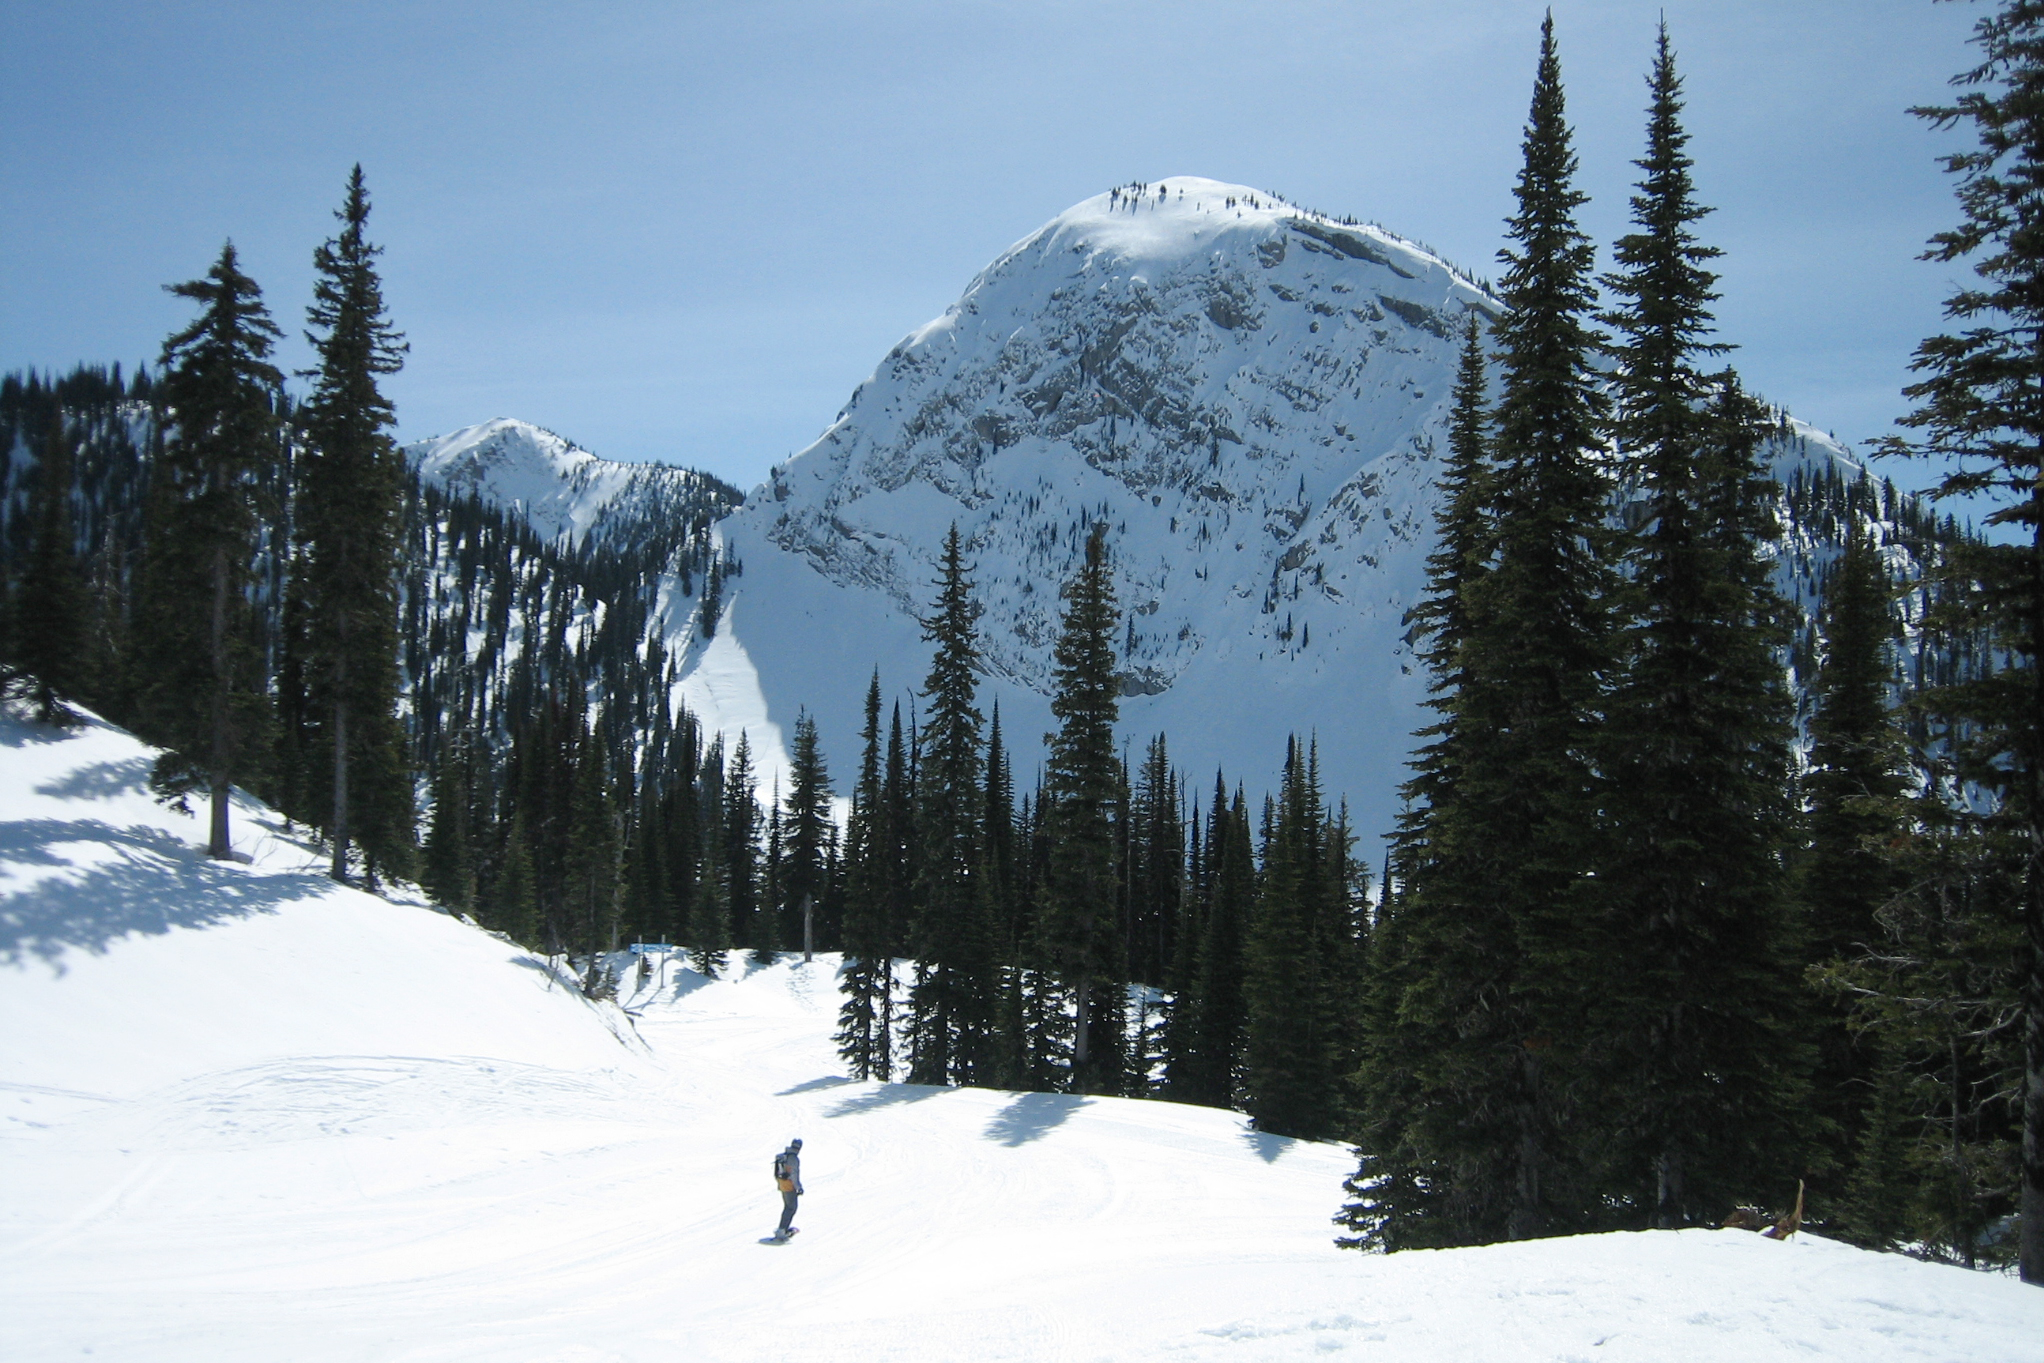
point(1663, 284)
point(1550, 408)
point(354, 339)
point(218, 386)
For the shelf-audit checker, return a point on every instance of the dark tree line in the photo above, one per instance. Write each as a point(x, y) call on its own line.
point(1637, 963)
point(1103, 932)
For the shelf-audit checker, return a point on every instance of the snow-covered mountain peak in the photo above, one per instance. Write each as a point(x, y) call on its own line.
point(1187, 217)
point(1248, 393)
point(562, 489)
point(1251, 396)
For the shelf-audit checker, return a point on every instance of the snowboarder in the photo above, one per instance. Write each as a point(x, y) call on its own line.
point(788, 1178)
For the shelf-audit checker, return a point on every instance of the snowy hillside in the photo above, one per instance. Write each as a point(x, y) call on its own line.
point(252, 1116)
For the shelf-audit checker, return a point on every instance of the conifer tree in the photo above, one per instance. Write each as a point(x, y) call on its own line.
point(592, 855)
point(1299, 966)
point(1854, 788)
point(952, 1004)
point(1429, 852)
point(861, 1040)
point(49, 639)
point(808, 832)
point(1000, 887)
point(742, 820)
point(203, 693)
point(1977, 408)
point(1487, 965)
point(1698, 1097)
point(447, 869)
point(899, 856)
point(1082, 783)
point(515, 911)
point(348, 516)
point(710, 915)
point(1208, 1068)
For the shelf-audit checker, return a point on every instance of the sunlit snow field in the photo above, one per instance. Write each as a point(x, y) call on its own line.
point(249, 1115)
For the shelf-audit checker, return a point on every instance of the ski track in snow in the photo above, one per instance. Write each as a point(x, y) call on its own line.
point(301, 1123)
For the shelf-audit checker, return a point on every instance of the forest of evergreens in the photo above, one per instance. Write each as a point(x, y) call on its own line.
point(1703, 892)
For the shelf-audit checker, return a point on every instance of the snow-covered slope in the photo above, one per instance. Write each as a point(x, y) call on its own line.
point(564, 490)
point(1250, 395)
point(252, 1116)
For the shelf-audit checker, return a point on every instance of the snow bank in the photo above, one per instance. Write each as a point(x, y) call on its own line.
point(255, 1116)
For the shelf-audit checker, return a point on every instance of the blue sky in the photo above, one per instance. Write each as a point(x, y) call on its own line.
point(686, 231)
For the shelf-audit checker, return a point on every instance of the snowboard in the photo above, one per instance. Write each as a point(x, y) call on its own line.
point(779, 1239)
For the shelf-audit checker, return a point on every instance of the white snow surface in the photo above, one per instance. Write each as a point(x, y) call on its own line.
point(253, 1116)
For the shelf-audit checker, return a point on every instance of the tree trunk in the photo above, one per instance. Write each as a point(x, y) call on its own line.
point(1082, 1055)
point(2031, 1245)
point(219, 844)
point(2030, 1248)
point(340, 867)
point(1525, 1222)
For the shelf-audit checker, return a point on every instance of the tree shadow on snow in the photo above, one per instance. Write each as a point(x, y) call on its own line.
point(100, 780)
point(1032, 1116)
point(828, 1081)
point(1267, 1146)
point(157, 882)
point(887, 1095)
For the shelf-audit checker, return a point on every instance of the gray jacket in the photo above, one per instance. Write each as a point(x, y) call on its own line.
point(791, 1159)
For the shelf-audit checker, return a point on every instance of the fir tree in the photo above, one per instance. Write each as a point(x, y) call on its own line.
point(516, 909)
point(1082, 782)
point(1431, 851)
point(1299, 966)
point(447, 870)
point(809, 833)
point(710, 916)
point(49, 640)
point(203, 694)
point(1208, 1069)
point(952, 1004)
point(1978, 408)
point(348, 516)
point(1698, 1096)
point(741, 815)
point(1493, 990)
point(1854, 788)
point(861, 1040)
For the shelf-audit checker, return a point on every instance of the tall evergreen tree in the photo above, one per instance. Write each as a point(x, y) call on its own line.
point(1300, 959)
point(861, 1041)
point(1854, 788)
point(1210, 1060)
point(1491, 994)
point(1979, 407)
point(49, 639)
point(954, 996)
point(203, 693)
point(1432, 847)
point(741, 846)
point(709, 921)
point(1699, 1096)
point(1082, 783)
point(348, 515)
point(447, 869)
point(806, 851)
